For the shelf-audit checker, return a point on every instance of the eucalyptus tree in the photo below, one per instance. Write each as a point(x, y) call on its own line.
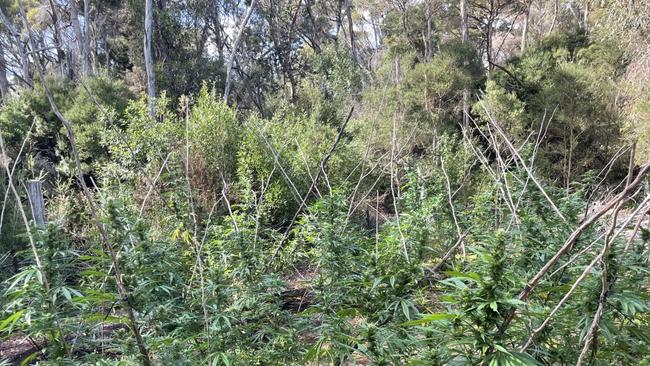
point(148, 55)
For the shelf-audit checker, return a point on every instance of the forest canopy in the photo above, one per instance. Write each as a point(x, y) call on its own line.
point(301, 182)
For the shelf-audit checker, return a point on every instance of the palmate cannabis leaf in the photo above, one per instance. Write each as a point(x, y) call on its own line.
point(355, 182)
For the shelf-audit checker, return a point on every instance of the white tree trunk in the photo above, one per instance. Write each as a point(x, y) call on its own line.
point(74, 20)
point(85, 50)
point(148, 56)
point(554, 19)
point(24, 63)
point(464, 36)
point(429, 41)
point(235, 46)
point(4, 83)
point(585, 16)
point(22, 53)
point(524, 31)
point(464, 27)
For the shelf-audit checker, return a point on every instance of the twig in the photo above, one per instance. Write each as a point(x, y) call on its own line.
point(32, 243)
point(13, 169)
point(453, 210)
point(582, 276)
point(225, 198)
point(323, 165)
point(153, 184)
point(449, 252)
point(523, 162)
point(233, 51)
point(190, 198)
point(568, 244)
point(393, 177)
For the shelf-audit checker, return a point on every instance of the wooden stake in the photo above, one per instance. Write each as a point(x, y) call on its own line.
point(35, 194)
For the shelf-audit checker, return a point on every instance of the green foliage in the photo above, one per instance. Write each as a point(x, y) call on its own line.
point(504, 107)
point(433, 90)
point(281, 156)
point(46, 304)
point(214, 134)
point(91, 107)
point(333, 83)
point(341, 213)
point(213, 291)
point(563, 87)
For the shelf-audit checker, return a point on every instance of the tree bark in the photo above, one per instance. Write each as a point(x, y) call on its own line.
point(585, 16)
point(65, 68)
point(24, 58)
point(24, 63)
point(235, 46)
point(85, 49)
point(428, 52)
point(491, 11)
point(4, 82)
point(148, 56)
point(218, 33)
point(464, 26)
point(488, 44)
point(163, 45)
point(74, 20)
point(555, 9)
point(353, 47)
point(524, 31)
point(464, 36)
point(315, 33)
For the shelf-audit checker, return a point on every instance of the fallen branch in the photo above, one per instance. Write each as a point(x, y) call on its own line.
point(523, 162)
point(582, 276)
point(450, 251)
point(568, 244)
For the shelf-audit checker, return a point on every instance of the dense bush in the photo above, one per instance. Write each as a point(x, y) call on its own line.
point(343, 212)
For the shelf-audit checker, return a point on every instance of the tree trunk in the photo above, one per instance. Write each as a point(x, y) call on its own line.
point(315, 40)
point(85, 50)
point(569, 164)
point(65, 68)
point(4, 83)
point(492, 8)
point(235, 46)
point(74, 20)
point(148, 56)
point(339, 19)
point(585, 16)
point(464, 26)
point(218, 32)
point(429, 41)
point(488, 43)
point(524, 31)
point(24, 62)
point(555, 9)
point(464, 36)
point(353, 47)
point(164, 45)
point(24, 58)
